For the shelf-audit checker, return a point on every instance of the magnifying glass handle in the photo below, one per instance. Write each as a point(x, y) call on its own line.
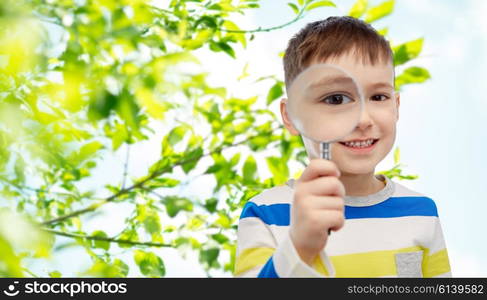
point(325, 151)
point(326, 154)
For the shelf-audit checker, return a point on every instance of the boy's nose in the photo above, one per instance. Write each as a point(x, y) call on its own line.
point(365, 119)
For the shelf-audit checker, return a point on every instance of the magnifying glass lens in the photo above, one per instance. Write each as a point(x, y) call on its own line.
point(324, 103)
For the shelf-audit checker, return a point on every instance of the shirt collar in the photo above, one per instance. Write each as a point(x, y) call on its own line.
point(376, 198)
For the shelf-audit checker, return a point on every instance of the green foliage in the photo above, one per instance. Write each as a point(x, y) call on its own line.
point(320, 4)
point(380, 11)
point(149, 264)
point(276, 91)
point(116, 80)
point(99, 243)
point(396, 171)
point(358, 9)
point(412, 75)
point(407, 51)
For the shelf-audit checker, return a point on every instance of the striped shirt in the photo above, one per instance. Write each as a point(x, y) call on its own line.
point(395, 232)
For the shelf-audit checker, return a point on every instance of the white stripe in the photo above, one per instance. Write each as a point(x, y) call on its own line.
point(378, 234)
point(252, 233)
point(358, 235)
point(402, 191)
point(437, 240)
point(276, 195)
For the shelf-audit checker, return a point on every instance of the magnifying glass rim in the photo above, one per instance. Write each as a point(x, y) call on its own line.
point(360, 95)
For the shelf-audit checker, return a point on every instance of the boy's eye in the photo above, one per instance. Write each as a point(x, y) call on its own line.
point(336, 99)
point(379, 98)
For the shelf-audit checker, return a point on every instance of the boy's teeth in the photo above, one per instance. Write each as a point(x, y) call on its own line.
point(361, 144)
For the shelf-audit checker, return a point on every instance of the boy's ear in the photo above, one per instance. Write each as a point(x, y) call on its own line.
point(398, 103)
point(285, 117)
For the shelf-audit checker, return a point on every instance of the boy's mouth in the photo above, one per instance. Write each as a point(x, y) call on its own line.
point(360, 144)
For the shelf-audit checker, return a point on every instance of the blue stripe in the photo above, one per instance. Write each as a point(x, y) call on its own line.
point(268, 271)
point(279, 214)
point(274, 214)
point(394, 207)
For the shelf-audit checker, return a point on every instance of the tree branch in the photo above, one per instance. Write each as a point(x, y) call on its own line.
point(141, 183)
point(297, 18)
point(105, 239)
point(22, 189)
point(125, 167)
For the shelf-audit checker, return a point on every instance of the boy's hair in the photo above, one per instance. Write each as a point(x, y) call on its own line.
point(331, 38)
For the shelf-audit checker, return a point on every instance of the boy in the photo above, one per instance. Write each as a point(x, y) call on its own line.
point(380, 228)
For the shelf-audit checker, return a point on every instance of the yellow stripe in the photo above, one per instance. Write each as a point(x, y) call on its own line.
point(252, 257)
point(320, 267)
point(436, 264)
point(369, 264)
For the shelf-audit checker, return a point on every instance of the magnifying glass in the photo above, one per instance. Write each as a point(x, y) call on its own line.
point(324, 104)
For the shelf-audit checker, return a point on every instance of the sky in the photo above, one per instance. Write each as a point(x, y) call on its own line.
point(441, 130)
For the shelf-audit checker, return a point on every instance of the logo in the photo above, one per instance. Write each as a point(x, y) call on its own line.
point(11, 290)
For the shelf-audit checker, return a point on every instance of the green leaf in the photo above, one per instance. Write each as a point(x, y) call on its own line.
point(149, 264)
point(278, 168)
point(408, 177)
point(249, 170)
point(412, 75)
point(213, 169)
point(320, 4)
point(275, 92)
point(234, 160)
point(163, 182)
point(10, 263)
point(229, 25)
point(194, 156)
point(209, 256)
point(358, 9)
point(175, 204)
point(128, 110)
point(128, 235)
point(87, 150)
point(20, 169)
point(100, 244)
point(383, 31)
point(176, 135)
point(55, 274)
point(199, 40)
point(222, 46)
point(123, 268)
point(407, 51)
point(210, 204)
point(301, 2)
point(152, 223)
point(220, 238)
point(380, 11)
point(396, 156)
point(294, 7)
point(102, 105)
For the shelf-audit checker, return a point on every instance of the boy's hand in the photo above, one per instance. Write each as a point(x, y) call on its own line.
point(317, 207)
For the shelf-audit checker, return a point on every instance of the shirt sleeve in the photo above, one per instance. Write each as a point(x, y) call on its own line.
point(436, 262)
point(259, 254)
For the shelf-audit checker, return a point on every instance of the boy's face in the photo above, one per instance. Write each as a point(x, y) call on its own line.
point(377, 122)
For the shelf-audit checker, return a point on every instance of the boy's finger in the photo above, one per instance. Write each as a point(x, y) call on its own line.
point(325, 186)
point(319, 167)
point(328, 203)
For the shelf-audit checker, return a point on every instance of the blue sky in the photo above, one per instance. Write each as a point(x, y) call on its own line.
point(440, 131)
